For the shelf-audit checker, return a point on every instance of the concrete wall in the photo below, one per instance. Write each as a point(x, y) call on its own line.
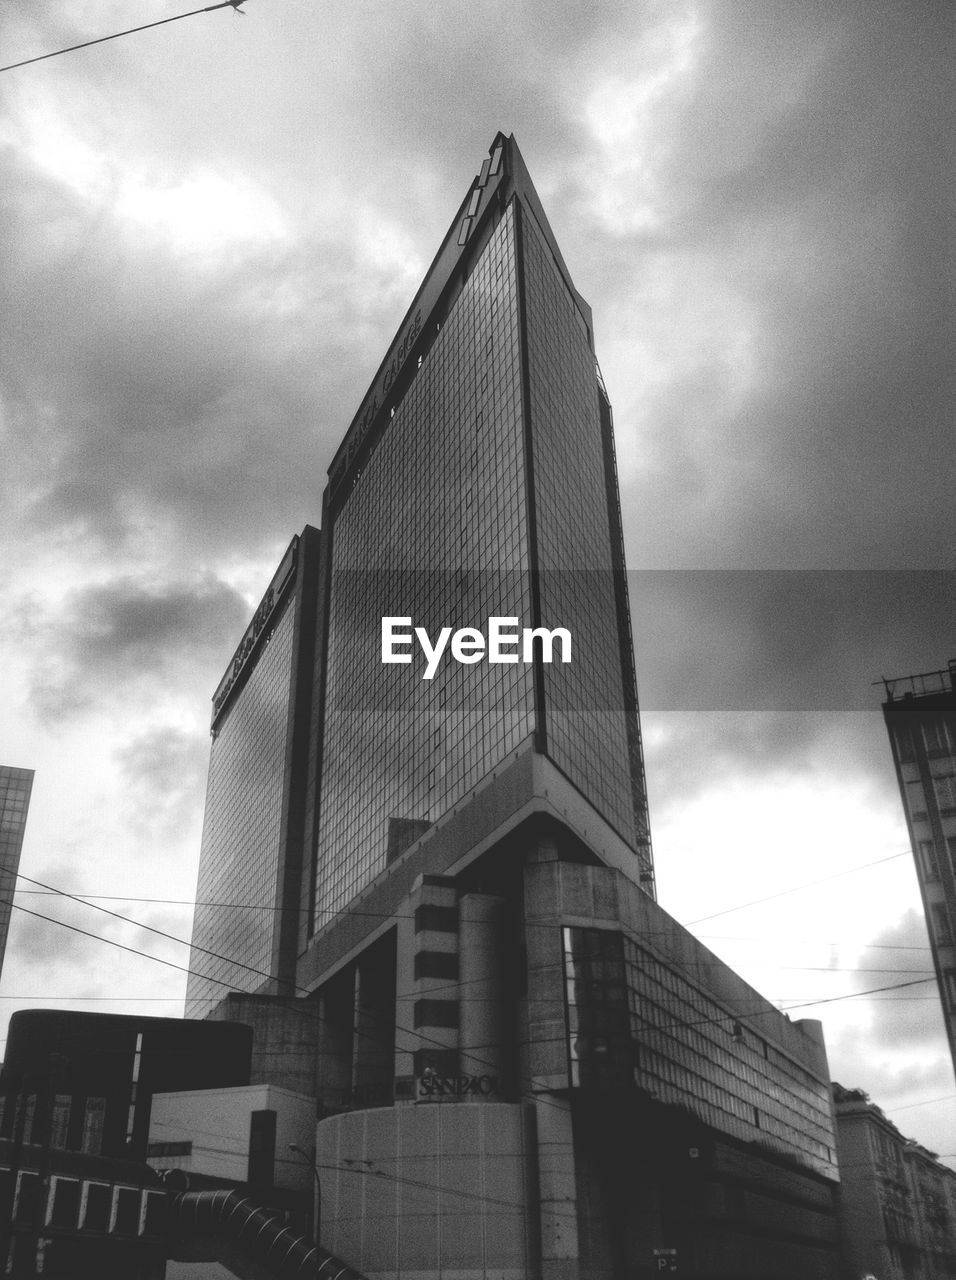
point(423, 1191)
point(216, 1122)
point(285, 1037)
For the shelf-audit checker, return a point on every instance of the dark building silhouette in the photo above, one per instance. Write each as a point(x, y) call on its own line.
point(920, 714)
point(76, 1090)
point(523, 1066)
point(16, 786)
point(78, 1081)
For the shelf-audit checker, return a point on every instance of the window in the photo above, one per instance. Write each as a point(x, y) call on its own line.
point(949, 988)
point(60, 1120)
point(944, 785)
point(904, 745)
point(29, 1105)
point(915, 800)
point(928, 862)
point(94, 1116)
point(63, 1204)
point(937, 737)
point(942, 929)
point(126, 1211)
point(96, 1205)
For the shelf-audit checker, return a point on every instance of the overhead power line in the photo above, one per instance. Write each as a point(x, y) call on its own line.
point(782, 893)
point(41, 57)
point(391, 915)
point(526, 1083)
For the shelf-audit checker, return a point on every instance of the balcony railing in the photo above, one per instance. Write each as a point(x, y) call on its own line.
point(922, 685)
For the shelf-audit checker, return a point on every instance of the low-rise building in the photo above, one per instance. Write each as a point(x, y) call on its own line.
point(897, 1200)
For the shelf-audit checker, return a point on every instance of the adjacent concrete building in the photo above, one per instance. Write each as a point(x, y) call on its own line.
point(920, 713)
point(897, 1201)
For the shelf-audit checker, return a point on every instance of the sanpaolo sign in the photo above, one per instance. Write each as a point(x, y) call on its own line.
point(283, 576)
point(432, 1086)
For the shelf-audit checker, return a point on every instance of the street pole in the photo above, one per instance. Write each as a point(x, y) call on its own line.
point(317, 1216)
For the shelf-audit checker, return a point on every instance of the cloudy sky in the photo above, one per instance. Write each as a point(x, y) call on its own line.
point(212, 230)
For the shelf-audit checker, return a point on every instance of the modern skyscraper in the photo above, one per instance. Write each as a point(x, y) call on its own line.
point(524, 1066)
point(920, 714)
point(245, 926)
point(16, 786)
point(477, 480)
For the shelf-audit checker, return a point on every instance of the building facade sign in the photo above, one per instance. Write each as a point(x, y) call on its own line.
point(431, 1086)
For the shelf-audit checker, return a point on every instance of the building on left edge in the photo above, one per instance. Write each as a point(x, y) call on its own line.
point(16, 786)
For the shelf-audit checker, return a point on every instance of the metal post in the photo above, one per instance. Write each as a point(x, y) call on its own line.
point(317, 1216)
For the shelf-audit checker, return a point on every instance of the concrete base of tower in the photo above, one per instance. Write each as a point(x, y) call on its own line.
point(429, 1191)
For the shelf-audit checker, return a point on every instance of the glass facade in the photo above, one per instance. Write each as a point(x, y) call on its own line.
point(485, 493)
point(635, 1021)
point(435, 529)
point(15, 788)
point(585, 717)
point(237, 898)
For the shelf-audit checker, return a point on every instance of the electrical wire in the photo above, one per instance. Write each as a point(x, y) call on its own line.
point(380, 915)
point(766, 1011)
point(796, 889)
point(261, 973)
point(223, 4)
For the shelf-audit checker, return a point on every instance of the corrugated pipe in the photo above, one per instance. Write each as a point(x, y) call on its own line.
point(257, 1232)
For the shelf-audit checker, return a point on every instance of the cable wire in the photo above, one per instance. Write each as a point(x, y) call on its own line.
point(223, 4)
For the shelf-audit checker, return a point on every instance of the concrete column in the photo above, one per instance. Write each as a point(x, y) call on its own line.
point(557, 1190)
point(333, 1072)
point(547, 1065)
point(482, 974)
point(374, 1043)
point(406, 1038)
point(435, 1010)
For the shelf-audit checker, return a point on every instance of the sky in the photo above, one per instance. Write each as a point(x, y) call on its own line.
point(211, 232)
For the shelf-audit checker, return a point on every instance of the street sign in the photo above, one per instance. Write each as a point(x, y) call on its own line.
point(666, 1260)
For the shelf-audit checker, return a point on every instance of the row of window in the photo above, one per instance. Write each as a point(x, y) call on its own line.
point(440, 498)
point(943, 779)
point(936, 734)
point(242, 828)
point(87, 1205)
point(586, 713)
point(929, 861)
point(64, 1105)
point(634, 1020)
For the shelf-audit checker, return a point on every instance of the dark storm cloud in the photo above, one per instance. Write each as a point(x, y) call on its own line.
point(807, 191)
point(792, 640)
point(128, 632)
point(688, 753)
point(47, 941)
point(163, 771)
point(163, 391)
point(46, 944)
